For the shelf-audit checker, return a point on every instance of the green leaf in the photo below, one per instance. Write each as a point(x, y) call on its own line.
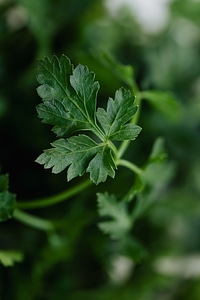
point(119, 112)
point(106, 165)
point(133, 249)
point(9, 257)
point(157, 174)
point(69, 104)
point(158, 152)
point(86, 89)
point(81, 154)
point(7, 205)
point(120, 221)
point(165, 102)
point(4, 182)
point(69, 101)
point(7, 199)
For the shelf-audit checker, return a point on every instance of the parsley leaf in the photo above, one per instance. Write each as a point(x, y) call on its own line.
point(119, 222)
point(9, 257)
point(81, 154)
point(69, 104)
point(69, 101)
point(119, 111)
point(7, 199)
point(164, 102)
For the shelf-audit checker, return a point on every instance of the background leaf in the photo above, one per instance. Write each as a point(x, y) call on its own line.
point(4, 182)
point(119, 222)
point(7, 199)
point(7, 205)
point(165, 102)
point(9, 257)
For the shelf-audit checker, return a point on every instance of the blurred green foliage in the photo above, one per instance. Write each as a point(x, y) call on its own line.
point(75, 261)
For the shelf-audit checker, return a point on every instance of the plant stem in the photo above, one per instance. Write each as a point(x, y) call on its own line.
point(112, 146)
point(130, 166)
point(32, 220)
point(123, 148)
point(52, 200)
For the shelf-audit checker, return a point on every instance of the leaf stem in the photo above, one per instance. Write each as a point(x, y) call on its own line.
point(32, 220)
point(52, 200)
point(114, 149)
point(122, 148)
point(130, 166)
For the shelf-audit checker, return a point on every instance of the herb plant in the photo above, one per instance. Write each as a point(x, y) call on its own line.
point(125, 204)
point(90, 140)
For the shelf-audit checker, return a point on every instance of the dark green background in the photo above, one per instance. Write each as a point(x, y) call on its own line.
point(74, 263)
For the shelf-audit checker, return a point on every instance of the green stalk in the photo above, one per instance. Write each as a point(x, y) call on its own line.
point(114, 149)
point(52, 200)
point(138, 184)
point(130, 166)
point(33, 221)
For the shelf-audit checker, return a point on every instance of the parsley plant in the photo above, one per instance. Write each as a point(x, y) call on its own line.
point(69, 104)
point(92, 140)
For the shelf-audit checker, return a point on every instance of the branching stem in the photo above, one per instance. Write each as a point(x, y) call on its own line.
point(32, 221)
point(130, 166)
point(55, 199)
